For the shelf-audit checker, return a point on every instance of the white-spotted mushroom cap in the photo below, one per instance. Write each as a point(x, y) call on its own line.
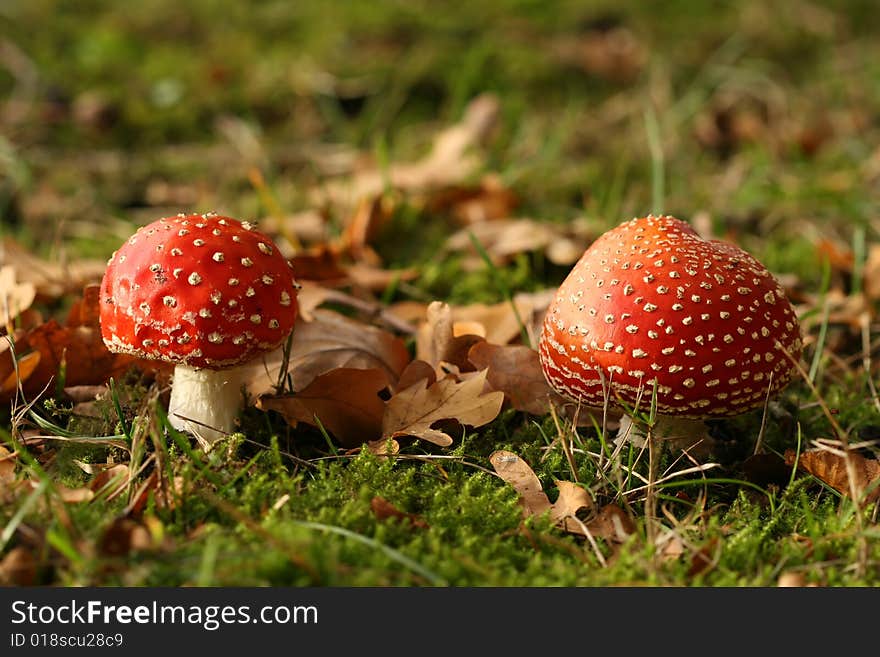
point(206, 291)
point(651, 304)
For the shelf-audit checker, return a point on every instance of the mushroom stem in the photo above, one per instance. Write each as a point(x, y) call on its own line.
point(679, 433)
point(205, 402)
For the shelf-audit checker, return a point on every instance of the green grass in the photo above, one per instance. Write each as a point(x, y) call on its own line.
point(756, 117)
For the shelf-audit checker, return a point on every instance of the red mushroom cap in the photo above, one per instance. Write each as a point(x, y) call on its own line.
point(652, 303)
point(205, 291)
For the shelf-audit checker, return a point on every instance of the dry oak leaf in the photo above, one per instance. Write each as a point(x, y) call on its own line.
point(330, 341)
point(572, 500)
point(831, 469)
point(77, 345)
point(345, 401)
point(111, 481)
point(413, 410)
point(611, 523)
point(516, 371)
point(125, 535)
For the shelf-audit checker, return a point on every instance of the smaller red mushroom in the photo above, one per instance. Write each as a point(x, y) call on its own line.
point(207, 293)
point(651, 305)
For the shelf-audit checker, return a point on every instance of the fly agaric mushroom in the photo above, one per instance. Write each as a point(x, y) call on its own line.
point(650, 305)
point(207, 293)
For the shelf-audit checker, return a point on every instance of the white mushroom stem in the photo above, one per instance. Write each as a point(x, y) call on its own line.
point(205, 402)
point(678, 433)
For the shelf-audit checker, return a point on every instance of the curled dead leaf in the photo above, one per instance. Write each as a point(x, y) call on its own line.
point(330, 342)
point(519, 474)
point(612, 524)
point(573, 499)
point(437, 342)
point(111, 481)
point(831, 468)
point(487, 201)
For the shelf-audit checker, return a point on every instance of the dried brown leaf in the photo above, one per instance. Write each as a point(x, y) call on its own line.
point(123, 536)
point(704, 558)
point(370, 215)
point(504, 239)
point(413, 411)
point(449, 162)
point(516, 371)
point(516, 472)
point(18, 567)
point(500, 323)
point(871, 273)
point(345, 401)
point(80, 350)
point(113, 480)
point(13, 372)
point(15, 296)
point(416, 371)
point(383, 510)
point(163, 492)
point(86, 310)
point(437, 343)
point(50, 280)
point(74, 495)
point(329, 342)
point(7, 466)
point(487, 201)
point(572, 500)
point(612, 524)
point(831, 469)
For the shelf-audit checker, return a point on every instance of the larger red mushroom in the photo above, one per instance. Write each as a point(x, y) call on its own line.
point(207, 293)
point(651, 305)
